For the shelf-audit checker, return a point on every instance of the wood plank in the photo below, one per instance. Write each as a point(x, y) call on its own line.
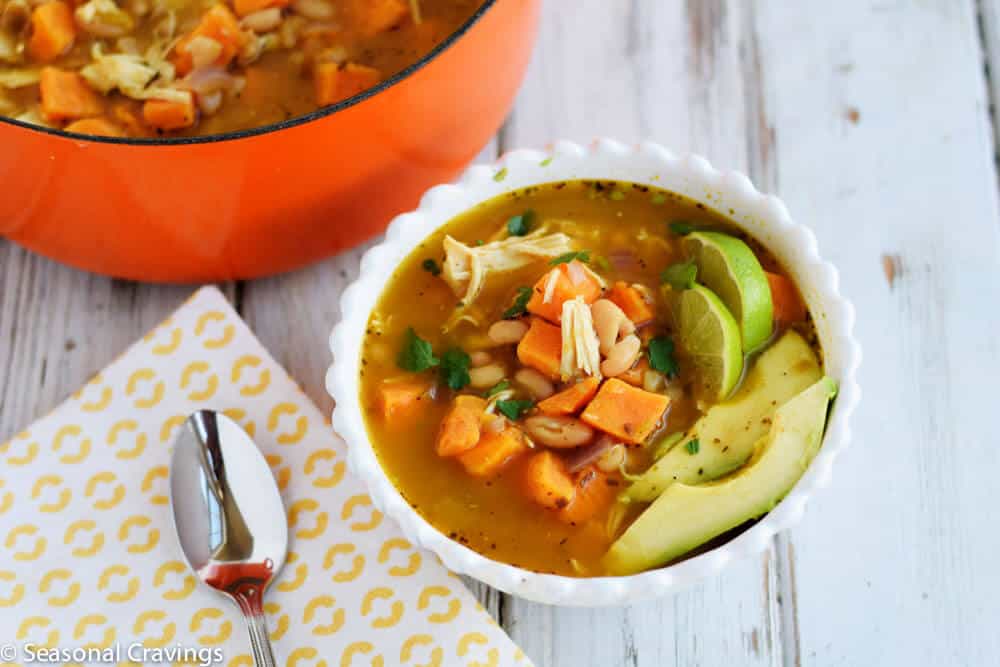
point(883, 145)
point(684, 74)
point(60, 326)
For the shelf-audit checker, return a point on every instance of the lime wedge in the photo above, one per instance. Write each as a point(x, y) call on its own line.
point(711, 338)
point(728, 267)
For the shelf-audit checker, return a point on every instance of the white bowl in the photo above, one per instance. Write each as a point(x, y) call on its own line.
point(764, 216)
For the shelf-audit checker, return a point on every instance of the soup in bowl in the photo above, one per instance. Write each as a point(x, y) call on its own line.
point(592, 376)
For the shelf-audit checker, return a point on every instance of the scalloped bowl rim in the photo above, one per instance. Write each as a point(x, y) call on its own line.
point(731, 193)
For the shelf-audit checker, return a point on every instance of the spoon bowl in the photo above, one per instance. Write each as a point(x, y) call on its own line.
point(228, 516)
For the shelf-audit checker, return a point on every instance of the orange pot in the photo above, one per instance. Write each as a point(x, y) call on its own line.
point(271, 199)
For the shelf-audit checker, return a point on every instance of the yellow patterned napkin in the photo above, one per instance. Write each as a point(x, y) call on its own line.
point(88, 557)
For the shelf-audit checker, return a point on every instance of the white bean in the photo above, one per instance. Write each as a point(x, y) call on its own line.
point(485, 377)
point(317, 10)
point(265, 20)
point(558, 432)
point(506, 332)
point(477, 359)
point(621, 357)
point(537, 384)
point(610, 322)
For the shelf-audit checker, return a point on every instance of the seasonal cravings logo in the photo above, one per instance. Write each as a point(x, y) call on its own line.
point(114, 654)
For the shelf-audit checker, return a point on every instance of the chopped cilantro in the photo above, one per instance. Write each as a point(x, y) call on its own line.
point(680, 276)
point(520, 304)
point(566, 258)
point(431, 267)
point(480, 242)
point(661, 356)
point(519, 225)
point(455, 368)
point(497, 388)
point(681, 228)
point(658, 198)
point(513, 409)
point(546, 162)
point(500, 175)
point(692, 446)
point(417, 354)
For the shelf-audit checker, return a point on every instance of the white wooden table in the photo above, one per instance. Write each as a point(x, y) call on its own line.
point(874, 120)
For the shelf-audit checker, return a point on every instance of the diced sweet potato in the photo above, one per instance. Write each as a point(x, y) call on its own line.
point(67, 96)
point(169, 114)
point(355, 79)
point(326, 78)
point(400, 398)
point(632, 302)
point(333, 83)
point(127, 115)
point(460, 429)
point(494, 451)
point(541, 347)
point(788, 306)
point(547, 481)
point(624, 411)
point(245, 7)
point(571, 400)
point(375, 16)
point(100, 127)
point(219, 24)
point(52, 31)
point(594, 493)
point(571, 280)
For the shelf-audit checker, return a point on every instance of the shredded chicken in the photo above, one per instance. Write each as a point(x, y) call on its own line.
point(19, 77)
point(550, 287)
point(103, 18)
point(467, 267)
point(128, 73)
point(580, 347)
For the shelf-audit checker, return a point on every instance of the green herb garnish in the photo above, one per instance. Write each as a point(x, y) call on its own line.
point(681, 228)
point(520, 305)
point(500, 175)
point(455, 368)
point(617, 195)
point(661, 356)
point(566, 258)
point(546, 162)
point(680, 276)
point(497, 388)
point(601, 262)
point(519, 225)
point(692, 446)
point(658, 198)
point(417, 354)
point(431, 267)
point(513, 409)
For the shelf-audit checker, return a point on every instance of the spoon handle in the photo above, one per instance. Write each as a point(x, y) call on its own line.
point(260, 644)
point(249, 599)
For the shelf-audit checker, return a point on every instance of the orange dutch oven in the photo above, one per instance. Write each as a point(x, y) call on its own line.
point(271, 199)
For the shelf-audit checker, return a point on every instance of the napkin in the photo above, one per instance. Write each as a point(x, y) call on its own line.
point(89, 562)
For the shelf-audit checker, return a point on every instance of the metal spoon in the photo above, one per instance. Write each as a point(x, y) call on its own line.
point(228, 515)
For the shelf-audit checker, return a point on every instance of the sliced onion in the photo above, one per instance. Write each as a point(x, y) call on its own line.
point(208, 80)
point(584, 456)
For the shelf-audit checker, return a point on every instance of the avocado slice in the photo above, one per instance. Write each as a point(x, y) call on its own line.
point(685, 516)
point(727, 432)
